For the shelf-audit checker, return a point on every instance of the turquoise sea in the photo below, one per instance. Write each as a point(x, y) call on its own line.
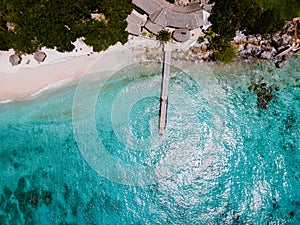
point(90, 153)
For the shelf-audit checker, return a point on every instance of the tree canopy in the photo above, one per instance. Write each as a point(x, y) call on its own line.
point(288, 8)
point(26, 25)
point(228, 54)
point(248, 16)
point(164, 36)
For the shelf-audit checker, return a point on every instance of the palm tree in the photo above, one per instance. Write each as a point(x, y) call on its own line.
point(164, 36)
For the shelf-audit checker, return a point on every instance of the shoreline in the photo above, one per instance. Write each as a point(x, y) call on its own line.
point(28, 81)
point(25, 83)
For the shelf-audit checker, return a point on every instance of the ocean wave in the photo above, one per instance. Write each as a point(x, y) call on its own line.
point(6, 101)
point(51, 86)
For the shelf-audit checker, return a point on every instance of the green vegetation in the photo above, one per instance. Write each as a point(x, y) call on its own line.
point(151, 35)
point(227, 54)
point(58, 23)
point(201, 39)
point(164, 36)
point(248, 16)
point(288, 8)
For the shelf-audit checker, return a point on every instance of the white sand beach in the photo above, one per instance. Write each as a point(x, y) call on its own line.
point(25, 80)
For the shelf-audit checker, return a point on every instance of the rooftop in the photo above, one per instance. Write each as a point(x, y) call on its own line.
point(153, 27)
point(135, 22)
point(164, 14)
point(181, 35)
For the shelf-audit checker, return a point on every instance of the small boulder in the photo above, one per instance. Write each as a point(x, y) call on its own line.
point(266, 55)
point(279, 64)
point(204, 47)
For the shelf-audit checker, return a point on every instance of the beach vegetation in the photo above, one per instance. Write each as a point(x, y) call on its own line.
point(288, 8)
point(248, 16)
point(164, 36)
point(58, 23)
point(226, 54)
point(4, 34)
point(201, 39)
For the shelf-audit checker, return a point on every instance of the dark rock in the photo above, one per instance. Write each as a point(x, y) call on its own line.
point(2, 202)
point(292, 213)
point(7, 192)
point(21, 197)
point(266, 55)
point(32, 198)
point(263, 92)
point(263, 99)
point(282, 49)
point(279, 64)
point(16, 165)
point(286, 28)
point(39, 149)
point(67, 192)
point(3, 219)
point(286, 39)
point(251, 87)
point(275, 205)
point(276, 41)
point(21, 184)
point(74, 209)
point(47, 197)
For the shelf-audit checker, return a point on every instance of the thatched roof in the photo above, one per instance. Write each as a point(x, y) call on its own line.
point(135, 17)
point(207, 7)
point(15, 59)
point(134, 29)
point(150, 6)
point(135, 22)
point(165, 14)
point(39, 56)
point(185, 9)
point(169, 18)
point(181, 35)
point(153, 27)
point(160, 17)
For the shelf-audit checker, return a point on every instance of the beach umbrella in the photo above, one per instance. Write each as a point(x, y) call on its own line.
point(40, 56)
point(15, 59)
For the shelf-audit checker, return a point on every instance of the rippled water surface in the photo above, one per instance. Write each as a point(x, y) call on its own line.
point(92, 155)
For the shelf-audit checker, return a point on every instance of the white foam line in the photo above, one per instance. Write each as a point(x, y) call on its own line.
point(6, 101)
point(48, 87)
point(52, 86)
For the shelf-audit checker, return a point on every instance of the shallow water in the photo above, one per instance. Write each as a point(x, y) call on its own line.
point(92, 155)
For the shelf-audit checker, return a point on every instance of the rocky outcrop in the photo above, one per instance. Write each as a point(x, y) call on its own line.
point(277, 48)
point(264, 93)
